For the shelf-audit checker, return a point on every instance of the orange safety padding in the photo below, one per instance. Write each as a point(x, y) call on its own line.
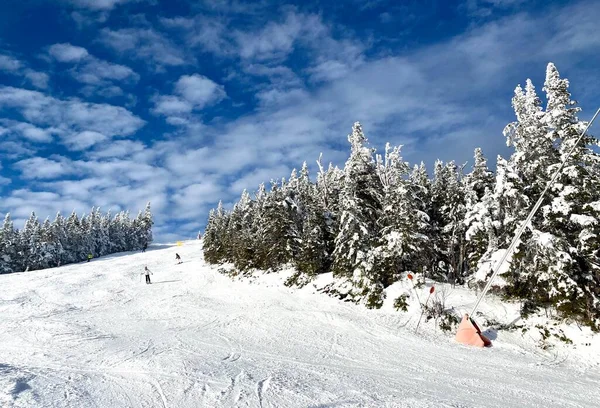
point(468, 333)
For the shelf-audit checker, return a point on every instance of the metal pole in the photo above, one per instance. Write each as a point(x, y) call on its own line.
point(537, 205)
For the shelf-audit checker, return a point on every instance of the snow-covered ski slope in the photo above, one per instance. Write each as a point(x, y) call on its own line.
point(95, 335)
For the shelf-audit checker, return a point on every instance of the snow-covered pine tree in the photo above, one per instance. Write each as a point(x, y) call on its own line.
point(8, 246)
point(86, 240)
point(59, 226)
point(118, 232)
point(447, 214)
point(542, 267)
point(328, 191)
point(480, 222)
point(574, 213)
point(421, 186)
point(211, 239)
point(73, 249)
point(214, 233)
point(314, 254)
point(402, 243)
point(280, 225)
point(146, 223)
point(360, 207)
point(31, 243)
point(238, 238)
point(106, 231)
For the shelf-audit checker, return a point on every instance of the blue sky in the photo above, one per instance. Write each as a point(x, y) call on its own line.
point(118, 102)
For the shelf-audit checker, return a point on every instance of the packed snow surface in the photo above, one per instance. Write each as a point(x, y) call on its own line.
point(95, 335)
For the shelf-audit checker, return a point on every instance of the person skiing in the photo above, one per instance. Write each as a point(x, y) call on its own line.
point(89, 258)
point(144, 247)
point(177, 258)
point(147, 273)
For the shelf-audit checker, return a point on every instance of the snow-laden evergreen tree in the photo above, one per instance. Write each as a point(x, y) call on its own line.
point(65, 241)
point(574, 213)
point(360, 207)
point(480, 218)
point(314, 252)
point(402, 243)
point(328, 191)
point(9, 242)
point(59, 227)
point(31, 242)
point(72, 246)
point(421, 186)
point(213, 246)
point(238, 237)
point(49, 249)
point(105, 222)
point(86, 241)
point(118, 232)
point(447, 213)
point(146, 223)
point(280, 225)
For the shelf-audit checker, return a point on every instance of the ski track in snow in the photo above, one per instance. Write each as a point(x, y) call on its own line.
point(95, 335)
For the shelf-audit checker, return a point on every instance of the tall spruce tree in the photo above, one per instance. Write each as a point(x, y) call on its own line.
point(480, 218)
point(8, 246)
point(360, 207)
point(402, 243)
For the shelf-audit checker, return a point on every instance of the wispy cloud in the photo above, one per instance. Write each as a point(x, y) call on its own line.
point(99, 76)
point(143, 43)
point(98, 4)
point(42, 168)
point(14, 66)
point(28, 131)
point(9, 64)
point(70, 118)
point(485, 8)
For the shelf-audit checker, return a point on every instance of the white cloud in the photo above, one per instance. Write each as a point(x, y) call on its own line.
point(70, 117)
point(37, 79)
point(210, 34)
point(193, 200)
point(199, 90)
point(143, 43)
point(116, 149)
point(23, 202)
point(42, 168)
point(194, 92)
point(98, 75)
point(84, 140)
point(97, 72)
point(102, 5)
point(171, 105)
point(13, 66)
point(67, 53)
point(276, 40)
point(485, 8)
point(8, 63)
point(27, 131)
point(13, 150)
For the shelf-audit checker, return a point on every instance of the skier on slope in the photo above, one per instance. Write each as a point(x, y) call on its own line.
point(147, 273)
point(144, 247)
point(178, 258)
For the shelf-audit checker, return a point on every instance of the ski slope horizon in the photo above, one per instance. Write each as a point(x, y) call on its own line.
point(95, 335)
